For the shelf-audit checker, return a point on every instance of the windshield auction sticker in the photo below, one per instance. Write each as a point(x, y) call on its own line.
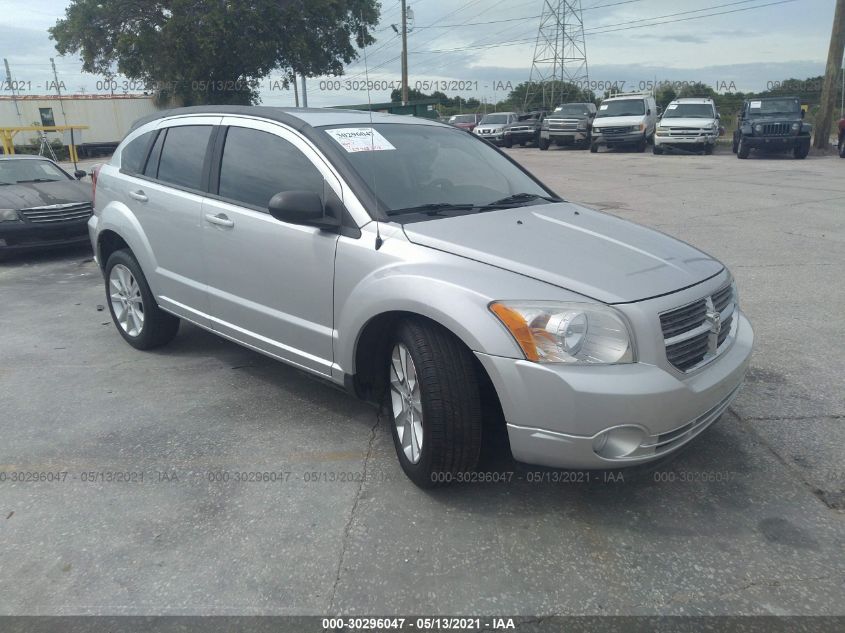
point(360, 139)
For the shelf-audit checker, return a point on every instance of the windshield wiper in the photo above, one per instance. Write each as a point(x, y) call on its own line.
point(38, 180)
point(516, 199)
point(432, 208)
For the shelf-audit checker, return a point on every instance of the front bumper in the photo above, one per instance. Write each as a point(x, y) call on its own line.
point(25, 236)
point(554, 412)
point(626, 138)
point(494, 137)
point(776, 142)
point(691, 139)
point(523, 136)
point(564, 136)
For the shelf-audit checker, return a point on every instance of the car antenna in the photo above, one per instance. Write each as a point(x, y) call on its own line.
point(379, 241)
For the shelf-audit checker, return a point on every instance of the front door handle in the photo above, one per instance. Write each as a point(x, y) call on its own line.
point(139, 195)
point(220, 220)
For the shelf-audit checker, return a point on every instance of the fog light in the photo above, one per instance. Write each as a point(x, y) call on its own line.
point(618, 442)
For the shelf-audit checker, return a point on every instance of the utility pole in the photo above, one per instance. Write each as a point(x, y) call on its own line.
point(12, 88)
point(304, 93)
point(58, 90)
point(824, 122)
point(404, 54)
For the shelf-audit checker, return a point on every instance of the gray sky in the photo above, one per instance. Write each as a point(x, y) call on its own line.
point(745, 50)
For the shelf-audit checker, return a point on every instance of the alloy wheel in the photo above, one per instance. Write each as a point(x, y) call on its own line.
point(405, 400)
point(126, 300)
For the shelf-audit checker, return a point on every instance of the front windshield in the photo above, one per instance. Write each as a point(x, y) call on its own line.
point(573, 109)
point(415, 165)
point(24, 170)
point(689, 111)
point(623, 107)
point(463, 118)
point(495, 118)
point(775, 106)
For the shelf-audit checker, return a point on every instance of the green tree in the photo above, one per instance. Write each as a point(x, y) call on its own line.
point(214, 51)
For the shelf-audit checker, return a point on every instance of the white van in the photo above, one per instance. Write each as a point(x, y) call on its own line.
point(626, 119)
point(691, 124)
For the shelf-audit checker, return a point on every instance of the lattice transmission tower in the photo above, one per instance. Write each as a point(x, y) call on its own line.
point(560, 54)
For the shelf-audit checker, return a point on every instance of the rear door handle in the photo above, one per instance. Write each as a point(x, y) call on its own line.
point(139, 195)
point(220, 220)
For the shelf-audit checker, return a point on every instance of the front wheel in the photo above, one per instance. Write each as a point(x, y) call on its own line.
point(842, 146)
point(656, 149)
point(435, 404)
point(800, 151)
point(594, 147)
point(742, 150)
point(708, 149)
point(508, 142)
point(641, 146)
point(734, 145)
point(133, 309)
point(543, 144)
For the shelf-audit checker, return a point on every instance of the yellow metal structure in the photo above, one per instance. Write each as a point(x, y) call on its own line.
point(7, 135)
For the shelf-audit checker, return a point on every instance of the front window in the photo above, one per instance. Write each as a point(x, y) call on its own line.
point(463, 118)
point(409, 166)
point(494, 119)
point(775, 106)
point(573, 109)
point(623, 107)
point(689, 111)
point(13, 172)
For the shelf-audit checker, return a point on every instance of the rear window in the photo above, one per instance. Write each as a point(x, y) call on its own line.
point(183, 155)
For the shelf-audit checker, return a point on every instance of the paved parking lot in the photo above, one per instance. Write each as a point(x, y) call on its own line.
point(748, 520)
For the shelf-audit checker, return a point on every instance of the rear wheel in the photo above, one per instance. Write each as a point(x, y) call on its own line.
point(434, 404)
point(139, 320)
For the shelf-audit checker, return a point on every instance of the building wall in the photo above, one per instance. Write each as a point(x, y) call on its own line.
point(108, 118)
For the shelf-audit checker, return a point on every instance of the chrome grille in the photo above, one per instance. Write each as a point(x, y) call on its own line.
point(563, 124)
point(57, 212)
point(776, 129)
point(615, 130)
point(695, 334)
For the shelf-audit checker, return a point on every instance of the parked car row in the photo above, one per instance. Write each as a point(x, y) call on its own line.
point(773, 124)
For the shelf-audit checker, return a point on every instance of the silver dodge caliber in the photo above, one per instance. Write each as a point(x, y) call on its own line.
point(423, 270)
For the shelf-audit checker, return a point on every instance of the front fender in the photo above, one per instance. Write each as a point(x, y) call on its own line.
point(115, 216)
point(450, 290)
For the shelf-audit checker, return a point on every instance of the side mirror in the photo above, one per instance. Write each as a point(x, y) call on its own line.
point(301, 207)
point(79, 174)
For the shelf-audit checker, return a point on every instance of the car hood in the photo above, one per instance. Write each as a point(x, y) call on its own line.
point(491, 126)
point(42, 194)
point(618, 121)
point(686, 122)
point(588, 252)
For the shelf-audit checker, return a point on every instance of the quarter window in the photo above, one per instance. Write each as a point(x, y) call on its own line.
point(134, 155)
point(257, 165)
point(183, 155)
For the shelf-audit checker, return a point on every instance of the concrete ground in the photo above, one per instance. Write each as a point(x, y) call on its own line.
point(748, 520)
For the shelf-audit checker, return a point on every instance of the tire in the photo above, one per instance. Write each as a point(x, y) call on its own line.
point(842, 146)
point(656, 149)
point(594, 147)
point(708, 149)
point(508, 143)
point(734, 145)
point(543, 144)
point(127, 287)
point(643, 144)
point(799, 152)
point(448, 414)
point(742, 150)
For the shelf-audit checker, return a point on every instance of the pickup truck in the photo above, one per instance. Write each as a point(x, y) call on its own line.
point(569, 124)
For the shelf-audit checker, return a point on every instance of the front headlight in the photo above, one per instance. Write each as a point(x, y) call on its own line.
point(758, 128)
point(9, 215)
point(796, 127)
point(597, 130)
point(551, 332)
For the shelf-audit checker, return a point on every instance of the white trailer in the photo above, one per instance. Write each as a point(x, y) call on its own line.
point(108, 117)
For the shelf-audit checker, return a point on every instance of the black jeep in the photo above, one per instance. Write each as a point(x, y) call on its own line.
point(772, 124)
